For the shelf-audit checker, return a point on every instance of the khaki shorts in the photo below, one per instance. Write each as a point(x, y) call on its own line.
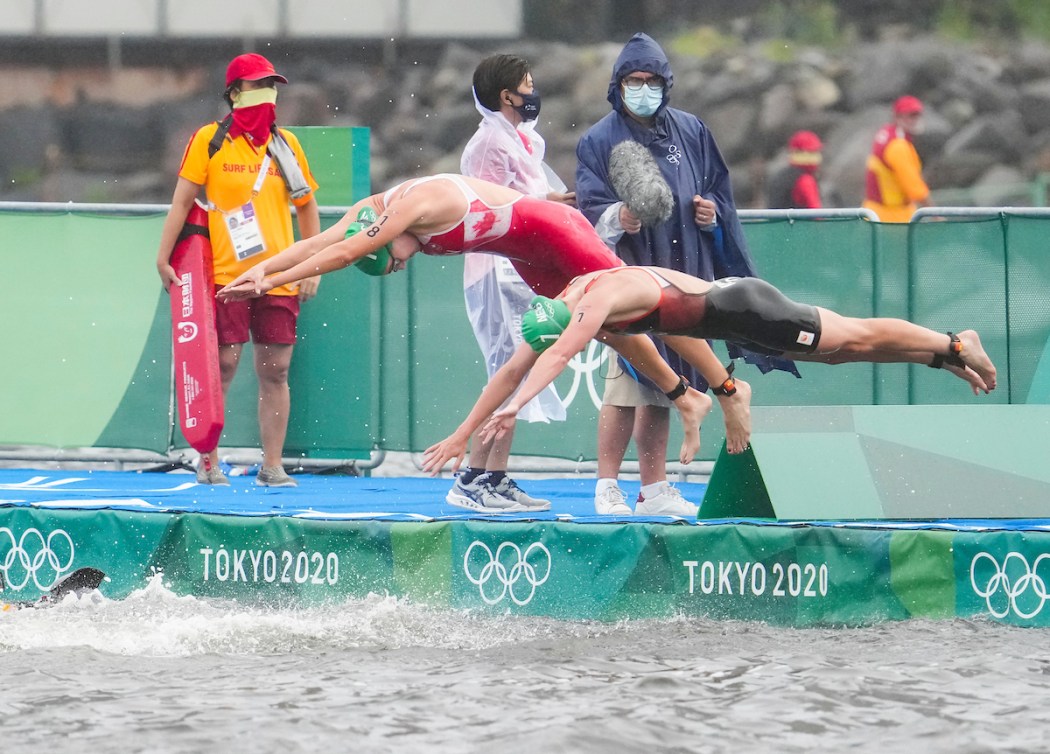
point(623, 390)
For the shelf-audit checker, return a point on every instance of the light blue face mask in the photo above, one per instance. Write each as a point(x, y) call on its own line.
point(643, 101)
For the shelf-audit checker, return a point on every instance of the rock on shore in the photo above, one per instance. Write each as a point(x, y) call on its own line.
point(117, 135)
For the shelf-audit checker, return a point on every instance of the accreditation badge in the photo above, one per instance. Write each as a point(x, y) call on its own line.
point(243, 226)
point(505, 272)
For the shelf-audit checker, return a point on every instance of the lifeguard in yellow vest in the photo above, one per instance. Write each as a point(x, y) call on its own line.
point(894, 187)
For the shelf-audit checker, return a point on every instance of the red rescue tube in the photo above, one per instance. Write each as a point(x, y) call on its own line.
point(195, 343)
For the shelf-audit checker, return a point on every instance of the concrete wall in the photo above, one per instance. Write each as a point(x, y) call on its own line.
point(263, 18)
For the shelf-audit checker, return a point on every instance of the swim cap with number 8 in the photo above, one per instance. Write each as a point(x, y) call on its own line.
point(378, 262)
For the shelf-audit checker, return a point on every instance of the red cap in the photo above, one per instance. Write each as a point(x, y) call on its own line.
point(907, 105)
point(805, 141)
point(251, 67)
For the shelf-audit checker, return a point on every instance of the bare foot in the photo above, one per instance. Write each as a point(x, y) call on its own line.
point(974, 356)
point(965, 373)
point(736, 409)
point(693, 408)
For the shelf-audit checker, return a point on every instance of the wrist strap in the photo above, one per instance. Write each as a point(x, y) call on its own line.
point(952, 358)
point(679, 390)
point(728, 387)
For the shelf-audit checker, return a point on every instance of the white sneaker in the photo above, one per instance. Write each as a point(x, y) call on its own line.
point(611, 502)
point(479, 496)
point(509, 489)
point(668, 503)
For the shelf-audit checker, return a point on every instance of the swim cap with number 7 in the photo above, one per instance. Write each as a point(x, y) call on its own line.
point(544, 322)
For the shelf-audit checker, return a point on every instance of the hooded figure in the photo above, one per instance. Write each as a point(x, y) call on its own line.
point(691, 164)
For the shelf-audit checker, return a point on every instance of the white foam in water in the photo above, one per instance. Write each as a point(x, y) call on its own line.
point(162, 672)
point(154, 621)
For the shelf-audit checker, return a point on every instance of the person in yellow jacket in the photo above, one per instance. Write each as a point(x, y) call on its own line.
point(251, 171)
point(893, 185)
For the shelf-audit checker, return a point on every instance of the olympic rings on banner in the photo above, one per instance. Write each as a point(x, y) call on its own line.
point(32, 556)
point(1023, 589)
point(513, 577)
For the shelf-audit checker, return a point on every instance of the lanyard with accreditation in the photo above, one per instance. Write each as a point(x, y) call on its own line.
point(242, 223)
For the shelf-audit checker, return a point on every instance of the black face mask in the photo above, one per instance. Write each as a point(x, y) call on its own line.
point(530, 105)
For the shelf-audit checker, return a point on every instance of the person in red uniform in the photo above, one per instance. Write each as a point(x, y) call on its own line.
point(548, 243)
point(749, 311)
point(893, 184)
point(796, 186)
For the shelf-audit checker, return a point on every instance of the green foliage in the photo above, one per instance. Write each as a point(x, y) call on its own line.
point(1011, 19)
point(26, 177)
point(702, 42)
point(780, 50)
point(806, 22)
point(1034, 17)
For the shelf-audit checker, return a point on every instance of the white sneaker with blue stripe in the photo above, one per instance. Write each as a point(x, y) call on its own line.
point(479, 496)
point(509, 489)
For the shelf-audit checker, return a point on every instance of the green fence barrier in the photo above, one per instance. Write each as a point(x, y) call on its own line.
point(795, 576)
point(81, 344)
point(392, 363)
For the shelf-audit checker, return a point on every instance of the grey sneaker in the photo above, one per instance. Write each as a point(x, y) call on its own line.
point(213, 475)
point(479, 496)
point(611, 502)
point(274, 476)
point(509, 489)
point(668, 503)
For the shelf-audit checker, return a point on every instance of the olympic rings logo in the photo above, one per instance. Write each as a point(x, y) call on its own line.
point(1014, 586)
point(510, 570)
point(34, 557)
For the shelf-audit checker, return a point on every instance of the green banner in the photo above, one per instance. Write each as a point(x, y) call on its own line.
point(392, 362)
point(787, 575)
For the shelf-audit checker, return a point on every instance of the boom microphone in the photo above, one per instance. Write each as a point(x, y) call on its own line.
point(637, 180)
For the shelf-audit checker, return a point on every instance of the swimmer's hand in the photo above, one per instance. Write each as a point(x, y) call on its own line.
point(452, 448)
point(500, 423)
point(240, 291)
point(249, 284)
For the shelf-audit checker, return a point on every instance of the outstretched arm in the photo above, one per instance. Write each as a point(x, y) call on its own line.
point(501, 387)
point(254, 282)
point(309, 226)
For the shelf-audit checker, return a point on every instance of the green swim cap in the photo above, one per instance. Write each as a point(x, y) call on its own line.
point(378, 262)
point(544, 322)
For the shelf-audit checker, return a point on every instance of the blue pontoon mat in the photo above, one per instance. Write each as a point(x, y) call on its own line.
point(318, 496)
point(332, 497)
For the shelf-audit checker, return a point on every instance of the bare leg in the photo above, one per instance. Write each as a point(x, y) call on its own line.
point(651, 428)
point(895, 357)
point(492, 455)
point(736, 409)
point(874, 339)
point(614, 435)
point(693, 408)
point(272, 361)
